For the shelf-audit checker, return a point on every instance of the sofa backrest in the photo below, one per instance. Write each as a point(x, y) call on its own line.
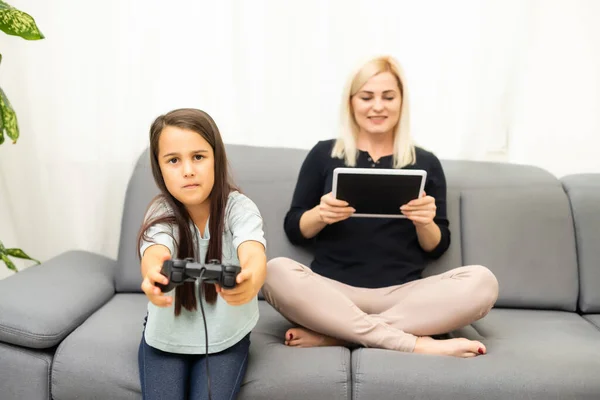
point(141, 189)
point(584, 194)
point(515, 220)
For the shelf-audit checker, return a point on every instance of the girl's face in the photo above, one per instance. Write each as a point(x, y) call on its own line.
point(377, 104)
point(187, 165)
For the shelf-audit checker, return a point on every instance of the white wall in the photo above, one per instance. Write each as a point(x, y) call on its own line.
point(515, 81)
point(556, 122)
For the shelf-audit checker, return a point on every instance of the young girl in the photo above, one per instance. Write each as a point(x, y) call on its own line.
point(199, 214)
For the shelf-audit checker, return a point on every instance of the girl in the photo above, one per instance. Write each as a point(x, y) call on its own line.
point(364, 285)
point(199, 214)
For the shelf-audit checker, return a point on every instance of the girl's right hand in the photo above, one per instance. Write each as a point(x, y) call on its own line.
point(152, 291)
point(332, 210)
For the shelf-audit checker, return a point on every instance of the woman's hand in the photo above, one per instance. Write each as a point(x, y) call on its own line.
point(420, 211)
point(152, 264)
point(332, 210)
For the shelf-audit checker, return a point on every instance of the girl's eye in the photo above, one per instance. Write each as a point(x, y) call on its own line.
point(198, 157)
point(172, 161)
point(366, 98)
point(389, 98)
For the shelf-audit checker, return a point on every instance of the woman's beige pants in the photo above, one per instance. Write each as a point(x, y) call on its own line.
point(389, 318)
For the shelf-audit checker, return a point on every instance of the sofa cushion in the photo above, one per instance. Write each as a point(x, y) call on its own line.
point(141, 189)
point(532, 354)
point(594, 319)
point(268, 176)
point(276, 371)
point(452, 258)
point(63, 292)
point(516, 220)
point(24, 373)
point(584, 194)
point(104, 350)
point(99, 359)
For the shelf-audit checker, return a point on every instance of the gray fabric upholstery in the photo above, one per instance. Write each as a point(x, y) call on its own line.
point(463, 175)
point(584, 195)
point(522, 246)
point(99, 359)
point(276, 371)
point(60, 294)
point(24, 373)
point(594, 319)
point(532, 354)
point(516, 221)
point(268, 176)
point(104, 349)
point(140, 191)
point(453, 256)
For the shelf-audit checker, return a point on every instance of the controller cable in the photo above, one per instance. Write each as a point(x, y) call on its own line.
point(205, 331)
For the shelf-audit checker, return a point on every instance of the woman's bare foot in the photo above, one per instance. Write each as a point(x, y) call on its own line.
point(302, 337)
point(459, 347)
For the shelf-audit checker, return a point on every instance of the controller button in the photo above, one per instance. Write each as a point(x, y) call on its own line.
point(228, 281)
point(176, 276)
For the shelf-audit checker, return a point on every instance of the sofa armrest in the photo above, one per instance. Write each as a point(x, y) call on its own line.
point(42, 304)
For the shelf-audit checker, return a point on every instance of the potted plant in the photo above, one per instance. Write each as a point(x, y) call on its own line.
point(17, 23)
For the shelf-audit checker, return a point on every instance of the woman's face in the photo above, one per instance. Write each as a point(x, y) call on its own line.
point(187, 165)
point(376, 105)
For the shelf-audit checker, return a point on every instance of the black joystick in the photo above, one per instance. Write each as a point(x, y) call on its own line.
point(180, 271)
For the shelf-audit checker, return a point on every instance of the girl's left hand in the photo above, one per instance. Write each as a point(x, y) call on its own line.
point(243, 292)
point(420, 211)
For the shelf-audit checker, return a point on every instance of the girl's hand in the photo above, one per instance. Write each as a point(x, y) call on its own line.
point(332, 210)
point(420, 211)
point(245, 290)
point(152, 291)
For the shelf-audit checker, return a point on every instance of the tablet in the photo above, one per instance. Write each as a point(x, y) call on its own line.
point(377, 192)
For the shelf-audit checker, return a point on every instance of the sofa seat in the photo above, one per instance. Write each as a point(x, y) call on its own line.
point(276, 371)
point(594, 319)
point(532, 354)
point(27, 365)
point(99, 359)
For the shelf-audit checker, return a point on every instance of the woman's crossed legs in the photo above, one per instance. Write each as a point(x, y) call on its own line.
point(399, 317)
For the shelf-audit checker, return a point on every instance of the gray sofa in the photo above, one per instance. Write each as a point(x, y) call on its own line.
point(70, 328)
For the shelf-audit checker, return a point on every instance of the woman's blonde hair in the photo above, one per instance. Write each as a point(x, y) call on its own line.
point(345, 146)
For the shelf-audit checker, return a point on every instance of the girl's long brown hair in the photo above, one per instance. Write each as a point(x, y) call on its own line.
point(200, 122)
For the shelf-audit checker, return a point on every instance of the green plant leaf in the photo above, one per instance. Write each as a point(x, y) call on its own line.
point(8, 263)
point(18, 253)
point(18, 23)
point(2, 247)
point(1, 118)
point(1, 128)
point(1, 113)
point(9, 118)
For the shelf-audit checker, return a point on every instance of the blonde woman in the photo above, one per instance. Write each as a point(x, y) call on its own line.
point(365, 286)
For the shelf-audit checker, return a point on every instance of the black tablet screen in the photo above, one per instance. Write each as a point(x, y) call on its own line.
point(377, 194)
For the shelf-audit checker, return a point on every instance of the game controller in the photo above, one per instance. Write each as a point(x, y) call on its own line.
point(180, 271)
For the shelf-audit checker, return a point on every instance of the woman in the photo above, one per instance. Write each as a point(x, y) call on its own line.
point(364, 286)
